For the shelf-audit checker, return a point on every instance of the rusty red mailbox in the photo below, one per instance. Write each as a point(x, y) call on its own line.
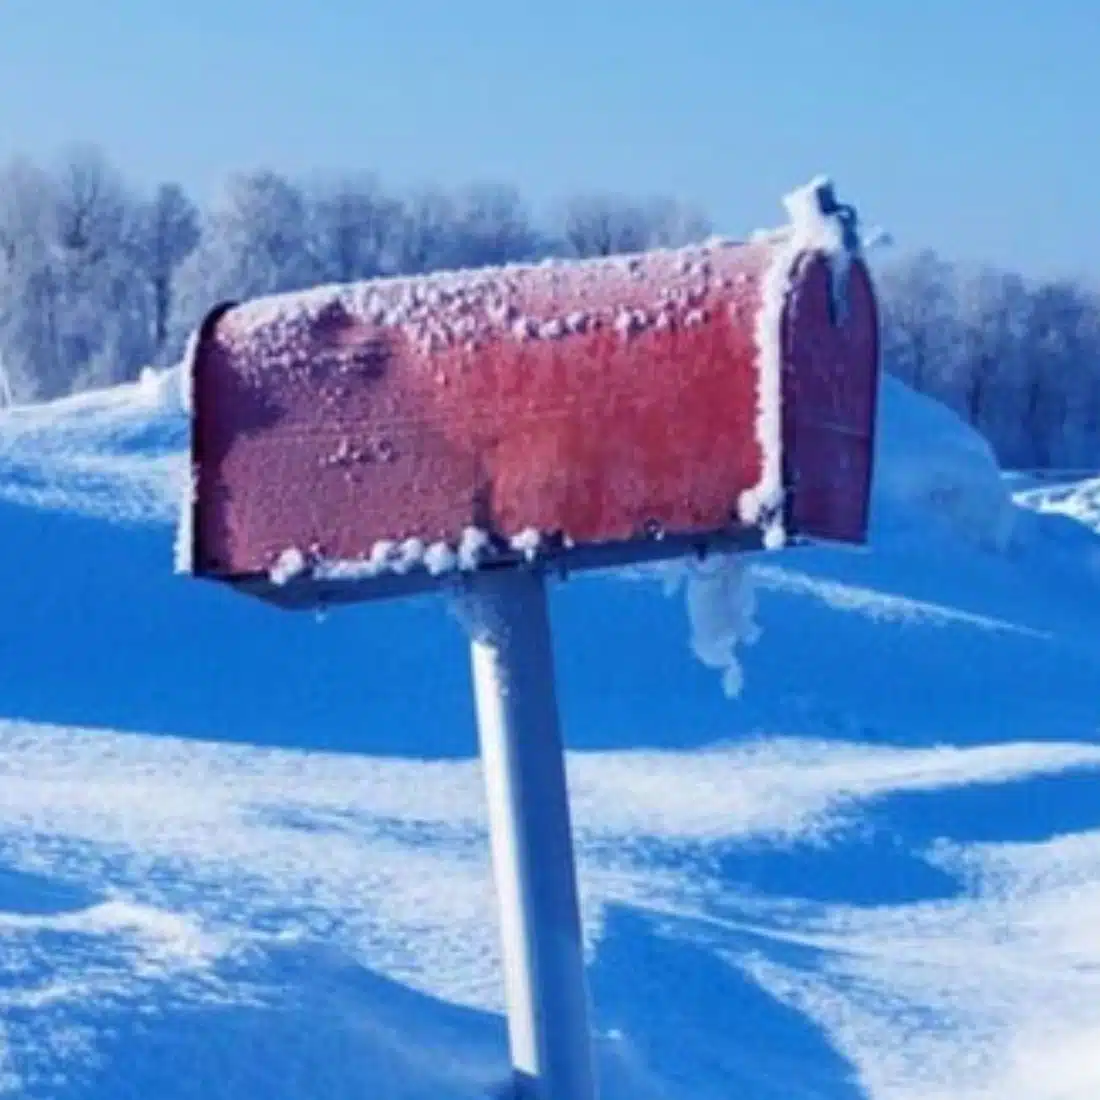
point(477, 429)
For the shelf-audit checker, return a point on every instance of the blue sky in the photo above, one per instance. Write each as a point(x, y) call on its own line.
point(969, 126)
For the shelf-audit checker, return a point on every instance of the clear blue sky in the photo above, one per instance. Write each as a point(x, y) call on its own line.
point(972, 126)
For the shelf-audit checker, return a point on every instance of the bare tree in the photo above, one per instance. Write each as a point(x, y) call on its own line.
point(1055, 352)
point(107, 313)
point(1020, 360)
point(602, 225)
point(993, 309)
point(93, 206)
point(672, 223)
point(1089, 385)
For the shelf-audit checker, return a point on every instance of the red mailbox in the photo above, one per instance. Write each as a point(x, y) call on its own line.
point(361, 440)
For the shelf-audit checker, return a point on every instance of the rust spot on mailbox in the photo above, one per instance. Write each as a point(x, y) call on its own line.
point(596, 411)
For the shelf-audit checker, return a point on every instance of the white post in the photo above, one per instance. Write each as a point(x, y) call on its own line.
point(530, 836)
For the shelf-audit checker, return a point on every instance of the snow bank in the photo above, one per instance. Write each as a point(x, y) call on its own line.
point(114, 454)
point(931, 468)
point(244, 919)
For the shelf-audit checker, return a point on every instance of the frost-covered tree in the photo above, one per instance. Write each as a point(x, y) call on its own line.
point(1056, 358)
point(106, 315)
point(72, 307)
point(605, 225)
point(168, 231)
point(1020, 360)
point(602, 225)
point(920, 323)
point(425, 237)
point(993, 309)
point(492, 226)
point(672, 223)
point(255, 241)
point(1088, 386)
point(96, 282)
point(353, 229)
point(30, 282)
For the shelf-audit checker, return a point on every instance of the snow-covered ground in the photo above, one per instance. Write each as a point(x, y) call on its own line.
point(242, 852)
point(1078, 498)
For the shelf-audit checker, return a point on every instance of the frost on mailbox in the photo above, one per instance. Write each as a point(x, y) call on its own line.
point(362, 440)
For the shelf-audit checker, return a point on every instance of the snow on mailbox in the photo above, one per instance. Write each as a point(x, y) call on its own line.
point(480, 428)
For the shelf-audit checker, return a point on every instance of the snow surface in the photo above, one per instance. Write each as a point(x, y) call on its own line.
point(243, 854)
point(931, 468)
point(1077, 499)
point(114, 454)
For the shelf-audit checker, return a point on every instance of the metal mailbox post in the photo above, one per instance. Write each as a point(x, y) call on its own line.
point(474, 431)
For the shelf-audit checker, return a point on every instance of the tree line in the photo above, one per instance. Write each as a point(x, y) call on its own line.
point(98, 280)
point(1018, 358)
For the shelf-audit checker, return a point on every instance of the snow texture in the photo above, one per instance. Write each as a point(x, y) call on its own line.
point(527, 543)
point(291, 563)
point(381, 863)
point(391, 556)
point(113, 454)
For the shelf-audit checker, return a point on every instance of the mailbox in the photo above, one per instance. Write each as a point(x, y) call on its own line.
point(364, 440)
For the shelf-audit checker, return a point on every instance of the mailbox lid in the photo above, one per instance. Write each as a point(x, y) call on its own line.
point(830, 340)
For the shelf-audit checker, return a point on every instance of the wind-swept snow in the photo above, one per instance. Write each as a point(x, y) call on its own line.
point(189, 874)
point(1011, 962)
